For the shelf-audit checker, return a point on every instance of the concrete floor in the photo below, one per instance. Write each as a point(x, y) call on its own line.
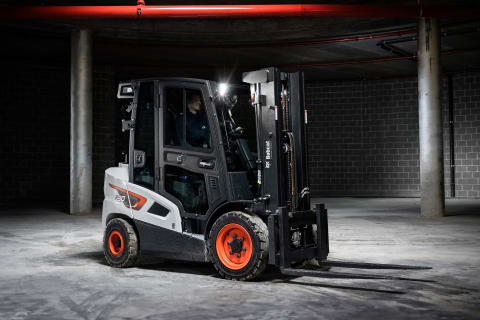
point(52, 267)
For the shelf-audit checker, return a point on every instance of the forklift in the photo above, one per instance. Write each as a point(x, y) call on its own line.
point(193, 190)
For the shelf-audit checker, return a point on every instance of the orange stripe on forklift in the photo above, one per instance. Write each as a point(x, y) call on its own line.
point(141, 200)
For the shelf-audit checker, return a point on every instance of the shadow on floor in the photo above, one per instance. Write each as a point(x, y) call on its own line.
point(271, 274)
point(93, 256)
point(196, 268)
point(463, 209)
point(330, 286)
point(153, 263)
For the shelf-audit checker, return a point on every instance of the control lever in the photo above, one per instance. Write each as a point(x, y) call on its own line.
point(237, 132)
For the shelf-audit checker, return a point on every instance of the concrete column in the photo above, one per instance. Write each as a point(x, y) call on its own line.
point(430, 123)
point(81, 122)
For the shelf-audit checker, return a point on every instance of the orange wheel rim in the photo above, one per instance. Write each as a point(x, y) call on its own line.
point(234, 246)
point(115, 243)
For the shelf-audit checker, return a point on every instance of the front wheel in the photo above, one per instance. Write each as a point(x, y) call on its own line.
point(238, 245)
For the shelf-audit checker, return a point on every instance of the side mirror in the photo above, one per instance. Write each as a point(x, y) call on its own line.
point(125, 91)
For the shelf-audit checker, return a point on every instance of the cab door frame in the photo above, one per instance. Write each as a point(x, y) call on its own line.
point(157, 211)
point(131, 151)
point(214, 178)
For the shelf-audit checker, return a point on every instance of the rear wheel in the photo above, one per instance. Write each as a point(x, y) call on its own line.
point(120, 245)
point(238, 245)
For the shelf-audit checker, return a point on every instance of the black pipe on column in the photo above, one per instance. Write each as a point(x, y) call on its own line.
point(451, 126)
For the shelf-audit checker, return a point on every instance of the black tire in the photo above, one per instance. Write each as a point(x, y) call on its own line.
point(258, 232)
point(122, 233)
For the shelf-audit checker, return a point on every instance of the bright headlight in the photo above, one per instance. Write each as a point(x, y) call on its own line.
point(222, 88)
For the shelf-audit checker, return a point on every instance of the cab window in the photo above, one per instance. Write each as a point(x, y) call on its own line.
point(185, 120)
point(145, 135)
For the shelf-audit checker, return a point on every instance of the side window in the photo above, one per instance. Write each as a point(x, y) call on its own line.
point(185, 120)
point(145, 135)
point(188, 187)
point(197, 130)
point(174, 117)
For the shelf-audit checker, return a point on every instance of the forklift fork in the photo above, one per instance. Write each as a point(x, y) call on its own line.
point(321, 273)
point(283, 254)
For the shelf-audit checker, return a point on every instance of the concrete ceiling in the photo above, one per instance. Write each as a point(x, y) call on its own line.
point(223, 47)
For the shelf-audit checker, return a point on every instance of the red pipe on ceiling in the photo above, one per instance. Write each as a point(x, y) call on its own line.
point(233, 11)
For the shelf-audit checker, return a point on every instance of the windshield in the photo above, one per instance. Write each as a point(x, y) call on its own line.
point(237, 124)
point(242, 114)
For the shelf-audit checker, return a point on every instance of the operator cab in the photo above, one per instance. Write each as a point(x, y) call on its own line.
point(186, 146)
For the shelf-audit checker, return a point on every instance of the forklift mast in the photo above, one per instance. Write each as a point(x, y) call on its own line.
point(296, 233)
point(278, 99)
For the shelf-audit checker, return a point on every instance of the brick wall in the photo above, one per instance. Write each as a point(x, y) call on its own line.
point(364, 137)
point(35, 131)
point(467, 134)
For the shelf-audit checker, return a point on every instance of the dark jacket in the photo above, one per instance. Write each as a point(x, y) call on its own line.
point(197, 129)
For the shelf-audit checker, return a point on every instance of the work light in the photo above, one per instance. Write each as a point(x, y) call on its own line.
point(222, 88)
